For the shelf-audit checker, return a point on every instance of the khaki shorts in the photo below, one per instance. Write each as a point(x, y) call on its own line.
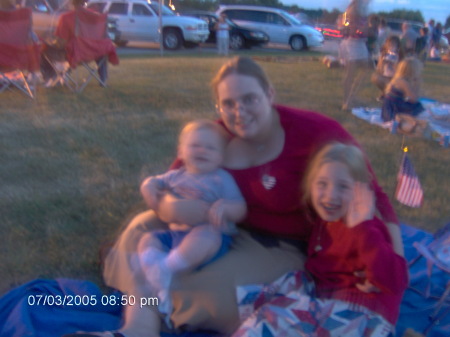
point(204, 299)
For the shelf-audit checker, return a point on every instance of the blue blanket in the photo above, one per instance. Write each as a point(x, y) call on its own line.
point(22, 316)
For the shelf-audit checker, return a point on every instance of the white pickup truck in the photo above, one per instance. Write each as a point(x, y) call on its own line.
point(138, 20)
point(46, 16)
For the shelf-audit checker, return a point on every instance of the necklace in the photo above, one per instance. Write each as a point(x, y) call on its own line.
point(318, 247)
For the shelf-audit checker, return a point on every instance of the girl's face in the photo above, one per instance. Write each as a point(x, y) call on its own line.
point(201, 151)
point(332, 191)
point(245, 108)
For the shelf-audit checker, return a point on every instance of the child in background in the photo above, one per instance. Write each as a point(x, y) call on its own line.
point(346, 237)
point(390, 55)
point(222, 35)
point(188, 246)
point(402, 92)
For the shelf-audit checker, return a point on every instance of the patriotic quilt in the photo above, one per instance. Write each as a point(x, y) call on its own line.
point(289, 308)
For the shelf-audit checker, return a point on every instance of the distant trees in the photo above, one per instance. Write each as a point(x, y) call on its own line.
point(314, 15)
point(403, 14)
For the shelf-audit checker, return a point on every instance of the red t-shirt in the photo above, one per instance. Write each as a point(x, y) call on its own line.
point(272, 190)
point(366, 247)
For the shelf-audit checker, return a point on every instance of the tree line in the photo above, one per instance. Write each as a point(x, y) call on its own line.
point(315, 15)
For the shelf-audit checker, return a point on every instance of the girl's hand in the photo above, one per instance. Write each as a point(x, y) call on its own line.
point(362, 206)
point(366, 286)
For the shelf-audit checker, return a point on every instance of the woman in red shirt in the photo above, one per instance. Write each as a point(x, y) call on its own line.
point(267, 155)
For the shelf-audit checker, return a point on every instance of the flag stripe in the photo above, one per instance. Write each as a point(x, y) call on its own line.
point(409, 191)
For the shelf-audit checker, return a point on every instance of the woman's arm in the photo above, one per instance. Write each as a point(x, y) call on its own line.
point(169, 208)
point(224, 211)
point(182, 211)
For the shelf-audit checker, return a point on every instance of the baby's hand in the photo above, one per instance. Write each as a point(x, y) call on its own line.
point(152, 192)
point(216, 214)
point(362, 206)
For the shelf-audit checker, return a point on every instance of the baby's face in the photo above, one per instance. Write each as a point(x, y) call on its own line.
point(202, 151)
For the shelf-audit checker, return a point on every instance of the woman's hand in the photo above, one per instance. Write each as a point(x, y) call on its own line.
point(151, 192)
point(362, 205)
point(182, 211)
point(216, 214)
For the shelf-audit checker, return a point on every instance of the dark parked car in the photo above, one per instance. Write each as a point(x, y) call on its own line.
point(239, 37)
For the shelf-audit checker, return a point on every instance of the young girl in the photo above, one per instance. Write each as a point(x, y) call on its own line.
point(402, 92)
point(346, 237)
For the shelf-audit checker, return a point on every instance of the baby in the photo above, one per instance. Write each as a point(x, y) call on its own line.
point(163, 253)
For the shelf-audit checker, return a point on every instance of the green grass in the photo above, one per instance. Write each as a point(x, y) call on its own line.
point(71, 164)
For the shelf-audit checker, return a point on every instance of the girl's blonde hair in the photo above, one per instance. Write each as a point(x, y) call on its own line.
point(410, 68)
point(204, 124)
point(349, 155)
point(241, 66)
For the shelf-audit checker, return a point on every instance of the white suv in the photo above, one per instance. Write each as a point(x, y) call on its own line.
point(281, 27)
point(138, 20)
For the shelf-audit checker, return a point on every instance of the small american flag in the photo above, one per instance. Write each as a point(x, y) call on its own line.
point(409, 192)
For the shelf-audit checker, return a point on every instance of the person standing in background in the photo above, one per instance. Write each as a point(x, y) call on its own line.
point(408, 39)
point(372, 37)
point(354, 49)
point(422, 44)
point(383, 32)
point(222, 35)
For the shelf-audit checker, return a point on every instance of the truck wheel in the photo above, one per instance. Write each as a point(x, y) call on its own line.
point(172, 39)
point(190, 45)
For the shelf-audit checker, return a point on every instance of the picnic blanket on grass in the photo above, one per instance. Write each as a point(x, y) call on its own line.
point(20, 316)
point(436, 115)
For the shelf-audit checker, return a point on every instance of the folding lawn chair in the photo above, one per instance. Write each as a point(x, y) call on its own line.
point(19, 52)
point(87, 51)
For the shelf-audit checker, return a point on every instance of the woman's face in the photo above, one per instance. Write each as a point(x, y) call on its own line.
point(332, 191)
point(244, 106)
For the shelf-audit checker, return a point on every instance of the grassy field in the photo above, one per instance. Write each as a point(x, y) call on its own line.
point(71, 164)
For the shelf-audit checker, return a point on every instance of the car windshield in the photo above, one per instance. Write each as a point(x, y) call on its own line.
point(291, 19)
point(166, 11)
point(230, 22)
point(64, 6)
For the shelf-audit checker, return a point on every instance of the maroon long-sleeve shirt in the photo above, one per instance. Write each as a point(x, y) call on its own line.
point(366, 247)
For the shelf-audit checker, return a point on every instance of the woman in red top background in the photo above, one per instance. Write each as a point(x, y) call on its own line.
point(269, 149)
